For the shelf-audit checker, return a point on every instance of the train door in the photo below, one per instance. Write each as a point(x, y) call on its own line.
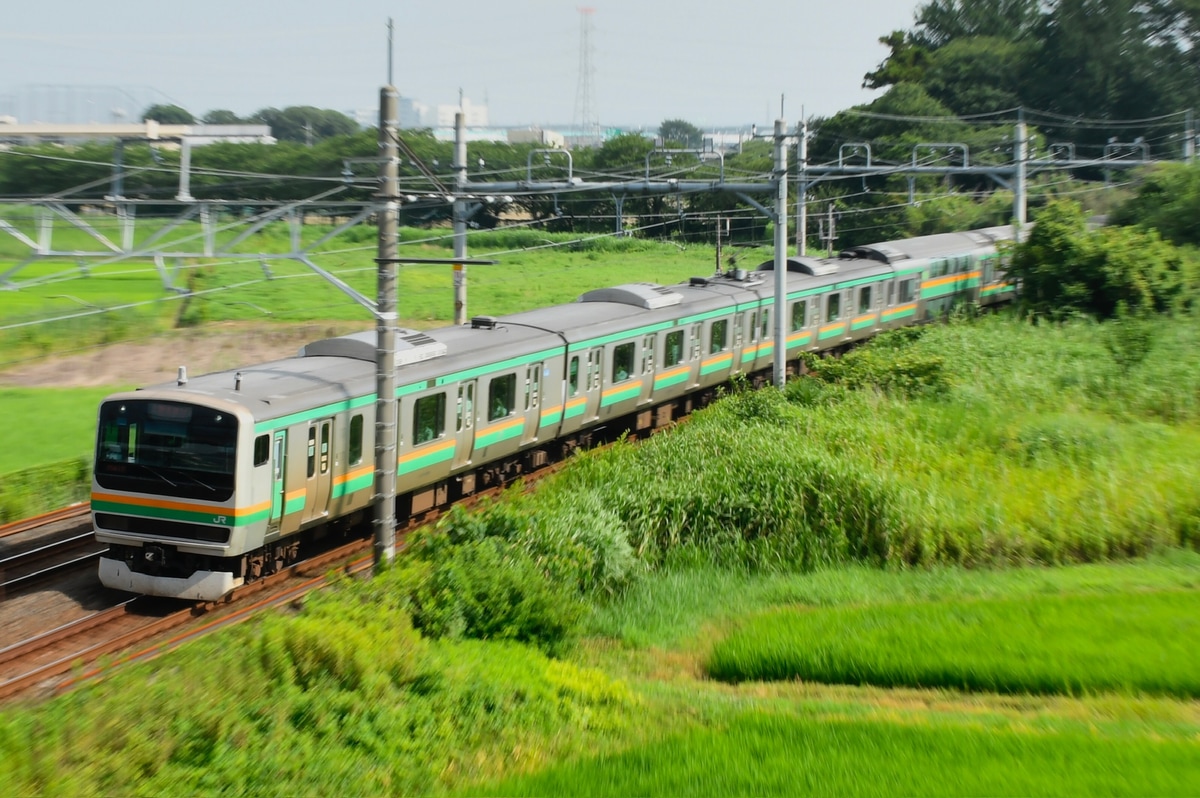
point(533, 401)
point(278, 477)
point(319, 459)
point(464, 424)
point(595, 378)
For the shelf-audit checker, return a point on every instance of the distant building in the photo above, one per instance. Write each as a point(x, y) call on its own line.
point(536, 135)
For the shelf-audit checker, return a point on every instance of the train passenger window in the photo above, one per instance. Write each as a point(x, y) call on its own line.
point(262, 449)
point(799, 315)
point(648, 354)
point(312, 451)
point(718, 336)
point(502, 396)
point(833, 307)
point(906, 290)
point(864, 299)
point(356, 439)
point(429, 418)
point(673, 348)
point(622, 366)
point(766, 324)
point(466, 406)
point(573, 376)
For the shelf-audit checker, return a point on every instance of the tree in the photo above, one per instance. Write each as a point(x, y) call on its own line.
point(220, 116)
point(168, 115)
point(684, 133)
point(1064, 268)
point(1168, 200)
point(304, 123)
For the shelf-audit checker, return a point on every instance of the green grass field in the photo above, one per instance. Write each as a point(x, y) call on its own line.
point(346, 698)
point(1132, 643)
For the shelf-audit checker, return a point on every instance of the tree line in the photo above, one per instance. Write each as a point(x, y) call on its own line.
point(965, 72)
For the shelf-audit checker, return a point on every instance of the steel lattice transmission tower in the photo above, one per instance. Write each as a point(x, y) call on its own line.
point(585, 119)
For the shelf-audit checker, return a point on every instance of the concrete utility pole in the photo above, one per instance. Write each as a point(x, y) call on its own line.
point(386, 326)
point(802, 186)
point(1189, 139)
point(1019, 159)
point(460, 219)
point(781, 255)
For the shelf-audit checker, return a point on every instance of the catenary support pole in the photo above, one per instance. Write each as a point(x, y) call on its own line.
point(781, 255)
point(802, 192)
point(1019, 158)
point(386, 324)
point(460, 219)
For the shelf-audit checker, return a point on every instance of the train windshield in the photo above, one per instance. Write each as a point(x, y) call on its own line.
point(166, 448)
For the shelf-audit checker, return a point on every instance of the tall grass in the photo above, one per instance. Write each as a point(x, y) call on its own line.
point(1134, 643)
point(792, 753)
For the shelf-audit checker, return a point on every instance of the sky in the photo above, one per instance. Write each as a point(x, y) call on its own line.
point(714, 64)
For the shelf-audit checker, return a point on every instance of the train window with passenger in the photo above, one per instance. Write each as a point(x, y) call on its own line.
point(262, 449)
point(673, 348)
point(356, 439)
point(799, 315)
point(429, 418)
point(622, 367)
point(833, 307)
point(906, 290)
point(502, 396)
point(718, 336)
point(864, 299)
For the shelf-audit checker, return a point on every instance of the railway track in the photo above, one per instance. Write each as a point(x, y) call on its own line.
point(141, 628)
point(46, 561)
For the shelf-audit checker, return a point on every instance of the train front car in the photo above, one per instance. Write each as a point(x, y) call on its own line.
point(172, 494)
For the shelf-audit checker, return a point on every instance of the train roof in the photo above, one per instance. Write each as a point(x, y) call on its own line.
point(934, 246)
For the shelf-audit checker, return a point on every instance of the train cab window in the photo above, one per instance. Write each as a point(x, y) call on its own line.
point(312, 451)
point(833, 307)
point(799, 315)
point(573, 376)
point(262, 449)
point(622, 367)
point(502, 395)
point(673, 348)
point(906, 290)
point(356, 440)
point(864, 299)
point(718, 336)
point(429, 418)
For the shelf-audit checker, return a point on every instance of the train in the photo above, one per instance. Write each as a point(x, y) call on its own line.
point(204, 484)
